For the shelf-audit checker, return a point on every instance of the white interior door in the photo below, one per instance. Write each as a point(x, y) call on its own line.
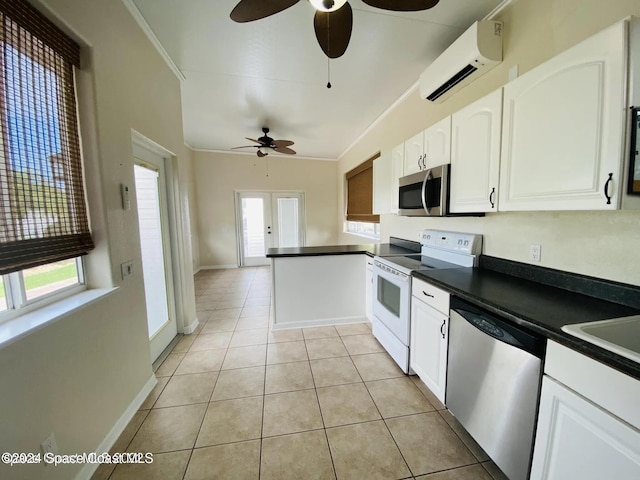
point(268, 220)
point(155, 248)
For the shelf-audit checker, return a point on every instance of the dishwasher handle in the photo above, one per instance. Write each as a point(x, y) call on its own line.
point(500, 329)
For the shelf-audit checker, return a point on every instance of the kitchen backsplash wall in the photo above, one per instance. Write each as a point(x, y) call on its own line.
point(602, 244)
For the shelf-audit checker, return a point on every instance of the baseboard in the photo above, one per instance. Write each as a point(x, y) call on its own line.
point(191, 327)
point(89, 468)
point(216, 267)
point(319, 322)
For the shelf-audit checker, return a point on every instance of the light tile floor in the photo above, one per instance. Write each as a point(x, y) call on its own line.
point(236, 401)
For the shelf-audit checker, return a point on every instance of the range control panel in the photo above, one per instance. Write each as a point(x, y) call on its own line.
point(468, 243)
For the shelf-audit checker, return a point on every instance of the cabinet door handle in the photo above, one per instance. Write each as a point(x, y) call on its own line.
point(491, 195)
point(427, 294)
point(424, 161)
point(444, 322)
point(419, 160)
point(606, 189)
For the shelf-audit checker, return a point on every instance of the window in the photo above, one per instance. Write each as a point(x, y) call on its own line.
point(359, 195)
point(44, 227)
point(364, 229)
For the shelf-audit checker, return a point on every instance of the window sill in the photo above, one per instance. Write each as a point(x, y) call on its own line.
point(363, 235)
point(21, 326)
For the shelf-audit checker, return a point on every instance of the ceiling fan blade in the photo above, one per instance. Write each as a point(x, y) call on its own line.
point(333, 30)
point(246, 146)
point(254, 140)
point(286, 150)
point(282, 143)
point(260, 154)
point(250, 10)
point(403, 5)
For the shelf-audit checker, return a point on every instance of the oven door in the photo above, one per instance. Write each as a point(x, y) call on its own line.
point(392, 301)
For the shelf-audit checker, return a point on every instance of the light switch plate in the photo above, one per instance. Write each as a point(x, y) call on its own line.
point(126, 269)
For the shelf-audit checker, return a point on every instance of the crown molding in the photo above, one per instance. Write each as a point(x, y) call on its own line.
point(380, 118)
point(276, 155)
point(140, 20)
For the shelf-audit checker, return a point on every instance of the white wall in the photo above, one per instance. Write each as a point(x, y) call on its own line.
point(591, 243)
point(218, 175)
point(194, 227)
point(77, 376)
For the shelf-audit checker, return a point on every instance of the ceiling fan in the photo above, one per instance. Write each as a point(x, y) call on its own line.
point(333, 18)
point(267, 144)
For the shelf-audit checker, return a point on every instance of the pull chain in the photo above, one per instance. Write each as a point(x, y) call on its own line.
point(328, 73)
point(267, 163)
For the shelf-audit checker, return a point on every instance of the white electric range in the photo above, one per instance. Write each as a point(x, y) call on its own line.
point(392, 285)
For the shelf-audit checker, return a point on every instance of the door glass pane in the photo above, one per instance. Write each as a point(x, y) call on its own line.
point(253, 227)
point(153, 267)
point(39, 281)
point(288, 228)
point(389, 296)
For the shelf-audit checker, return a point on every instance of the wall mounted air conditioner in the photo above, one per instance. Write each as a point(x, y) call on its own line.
point(474, 53)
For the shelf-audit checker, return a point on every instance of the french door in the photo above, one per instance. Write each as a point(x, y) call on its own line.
point(268, 220)
point(155, 245)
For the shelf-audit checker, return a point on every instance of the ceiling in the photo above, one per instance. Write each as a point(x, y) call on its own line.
point(271, 72)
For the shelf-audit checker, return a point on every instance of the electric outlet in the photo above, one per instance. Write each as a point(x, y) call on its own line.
point(535, 252)
point(49, 445)
point(126, 269)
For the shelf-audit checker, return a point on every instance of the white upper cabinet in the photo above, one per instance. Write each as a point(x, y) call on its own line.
point(413, 154)
point(437, 144)
point(382, 183)
point(429, 148)
point(563, 129)
point(475, 155)
point(387, 169)
point(397, 171)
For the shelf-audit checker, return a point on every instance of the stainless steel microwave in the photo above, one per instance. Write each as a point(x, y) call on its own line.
point(425, 194)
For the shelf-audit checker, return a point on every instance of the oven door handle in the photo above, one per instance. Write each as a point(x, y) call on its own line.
point(425, 182)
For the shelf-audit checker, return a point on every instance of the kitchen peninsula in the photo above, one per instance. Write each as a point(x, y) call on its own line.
point(324, 285)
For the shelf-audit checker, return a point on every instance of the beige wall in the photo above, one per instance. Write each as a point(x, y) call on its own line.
point(78, 376)
point(593, 243)
point(194, 227)
point(218, 175)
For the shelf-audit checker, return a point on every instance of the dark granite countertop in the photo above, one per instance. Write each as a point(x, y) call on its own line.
point(371, 249)
point(543, 308)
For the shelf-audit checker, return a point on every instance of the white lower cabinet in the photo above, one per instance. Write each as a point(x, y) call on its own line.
point(429, 340)
point(577, 439)
point(578, 436)
point(368, 307)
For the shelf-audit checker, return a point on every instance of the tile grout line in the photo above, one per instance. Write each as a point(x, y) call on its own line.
point(324, 426)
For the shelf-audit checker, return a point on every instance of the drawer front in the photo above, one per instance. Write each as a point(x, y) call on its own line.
point(431, 295)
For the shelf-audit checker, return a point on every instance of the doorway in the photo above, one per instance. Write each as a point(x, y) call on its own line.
point(155, 245)
point(268, 220)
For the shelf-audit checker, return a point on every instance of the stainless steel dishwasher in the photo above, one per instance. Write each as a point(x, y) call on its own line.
point(493, 384)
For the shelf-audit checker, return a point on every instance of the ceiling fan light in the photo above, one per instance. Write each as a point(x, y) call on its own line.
point(327, 5)
point(264, 150)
